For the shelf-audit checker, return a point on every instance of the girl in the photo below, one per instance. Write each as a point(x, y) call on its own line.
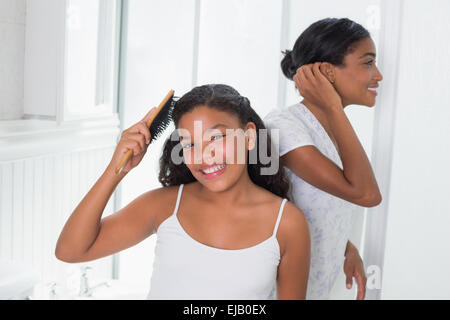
point(333, 66)
point(224, 231)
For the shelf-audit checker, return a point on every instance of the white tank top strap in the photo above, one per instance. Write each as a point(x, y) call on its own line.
point(180, 190)
point(280, 213)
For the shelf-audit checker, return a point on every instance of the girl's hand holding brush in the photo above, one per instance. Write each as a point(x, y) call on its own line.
point(134, 140)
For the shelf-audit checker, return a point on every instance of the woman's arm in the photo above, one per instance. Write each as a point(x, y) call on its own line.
point(293, 270)
point(356, 183)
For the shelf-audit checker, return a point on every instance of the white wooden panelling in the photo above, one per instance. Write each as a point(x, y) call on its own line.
point(47, 216)
point(18, 199)
point(6, 212)
point(38, 193)
point(38, 213)
point(28, 209)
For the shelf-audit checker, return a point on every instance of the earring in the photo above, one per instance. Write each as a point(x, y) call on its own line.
point(251, 143)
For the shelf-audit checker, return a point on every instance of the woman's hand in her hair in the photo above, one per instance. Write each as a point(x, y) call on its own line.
point(136, 138)
point(316, 88)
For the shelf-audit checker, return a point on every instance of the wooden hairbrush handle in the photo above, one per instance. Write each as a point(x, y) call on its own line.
point(129, 153)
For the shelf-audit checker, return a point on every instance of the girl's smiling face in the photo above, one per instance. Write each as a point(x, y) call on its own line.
point(357, 79)
point(215, 146)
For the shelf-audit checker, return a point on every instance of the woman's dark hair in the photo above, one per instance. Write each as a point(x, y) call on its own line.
point(327, 40)
point(223, 98)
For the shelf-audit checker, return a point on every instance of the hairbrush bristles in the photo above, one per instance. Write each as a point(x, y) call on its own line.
point(162, 119)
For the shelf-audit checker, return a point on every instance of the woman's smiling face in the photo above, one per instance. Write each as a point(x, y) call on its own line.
point(357, 79)
point(214, 146)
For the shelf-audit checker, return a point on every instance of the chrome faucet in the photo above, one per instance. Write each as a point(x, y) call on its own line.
point(85, 290)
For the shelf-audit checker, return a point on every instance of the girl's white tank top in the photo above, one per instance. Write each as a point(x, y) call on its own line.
point(184, 268)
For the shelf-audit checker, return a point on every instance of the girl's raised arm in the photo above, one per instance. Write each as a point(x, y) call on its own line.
point(85, 235)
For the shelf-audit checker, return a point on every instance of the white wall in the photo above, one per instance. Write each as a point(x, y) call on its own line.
point(417, 258)
point(12, 39)
point(239, 45)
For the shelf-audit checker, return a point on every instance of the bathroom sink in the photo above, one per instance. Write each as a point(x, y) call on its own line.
point(118, 290)
point(16, 280)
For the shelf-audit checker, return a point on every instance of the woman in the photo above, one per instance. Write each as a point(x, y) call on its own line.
point(333, 66)
point(224, 231)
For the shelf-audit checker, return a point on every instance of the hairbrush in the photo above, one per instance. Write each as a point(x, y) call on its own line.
point(157, 123)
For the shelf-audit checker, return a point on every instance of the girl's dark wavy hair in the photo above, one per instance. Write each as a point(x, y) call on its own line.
point(223, 98)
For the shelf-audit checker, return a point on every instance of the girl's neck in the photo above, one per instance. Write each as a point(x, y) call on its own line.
point(239, 192)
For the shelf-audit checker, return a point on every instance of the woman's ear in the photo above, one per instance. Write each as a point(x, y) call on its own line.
point(327, 70)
